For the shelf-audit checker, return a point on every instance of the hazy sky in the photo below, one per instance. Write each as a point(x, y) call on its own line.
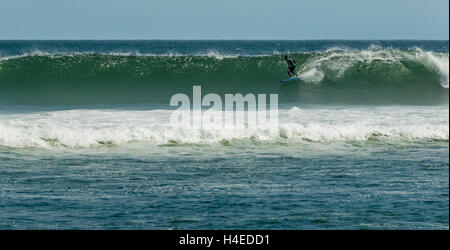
point(224, 19)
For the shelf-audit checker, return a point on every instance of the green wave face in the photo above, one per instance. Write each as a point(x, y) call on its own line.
point(332, 76)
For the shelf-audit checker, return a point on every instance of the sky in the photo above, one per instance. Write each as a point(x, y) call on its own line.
point(224, 19)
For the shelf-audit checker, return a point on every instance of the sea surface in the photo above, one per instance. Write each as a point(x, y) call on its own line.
point(362, 140)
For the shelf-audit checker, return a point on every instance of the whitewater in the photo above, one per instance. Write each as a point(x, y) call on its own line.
point(81, 128)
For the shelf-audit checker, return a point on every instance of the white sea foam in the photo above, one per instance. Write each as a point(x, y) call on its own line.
point(313, 75)
point(93, 128)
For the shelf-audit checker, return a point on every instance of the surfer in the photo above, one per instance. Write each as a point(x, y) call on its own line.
point(291, 66)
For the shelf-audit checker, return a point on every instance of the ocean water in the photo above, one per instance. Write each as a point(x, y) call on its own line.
point(361, 143)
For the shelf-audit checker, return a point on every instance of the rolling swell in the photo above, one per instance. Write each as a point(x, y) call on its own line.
point(375, 75)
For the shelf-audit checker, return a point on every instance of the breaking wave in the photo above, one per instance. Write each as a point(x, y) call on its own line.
point(335, 75)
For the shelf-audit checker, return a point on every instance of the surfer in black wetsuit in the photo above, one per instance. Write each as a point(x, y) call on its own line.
point(291, 65)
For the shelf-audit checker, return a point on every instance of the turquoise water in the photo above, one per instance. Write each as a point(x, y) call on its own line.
point(361, 143)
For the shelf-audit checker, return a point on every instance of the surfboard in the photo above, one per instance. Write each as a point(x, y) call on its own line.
point(290, 79)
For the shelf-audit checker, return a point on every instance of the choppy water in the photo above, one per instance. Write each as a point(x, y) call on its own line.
point(361, 143)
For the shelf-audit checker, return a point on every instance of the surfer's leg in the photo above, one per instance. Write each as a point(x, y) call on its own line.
point(292, 70)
